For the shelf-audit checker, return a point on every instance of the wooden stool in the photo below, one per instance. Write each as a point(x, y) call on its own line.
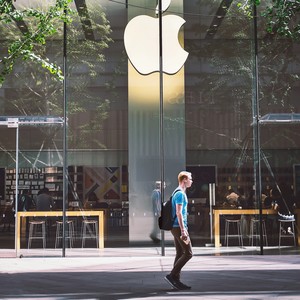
point(254, 231)
point(90, 231)
point(283, 234)
point(37, 231)
point(238, 225)
point(69, 233)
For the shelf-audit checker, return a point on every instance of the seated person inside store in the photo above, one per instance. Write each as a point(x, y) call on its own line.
point(44, 202)
point(267, 199)
point(25, 201)
point(232, 201)
point(232, 198)
point(238, 199)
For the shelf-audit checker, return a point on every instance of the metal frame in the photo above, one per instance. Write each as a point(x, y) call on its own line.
point(15, 122)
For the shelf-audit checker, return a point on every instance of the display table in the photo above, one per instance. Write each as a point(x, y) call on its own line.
point(83, 213)
point(235, 211)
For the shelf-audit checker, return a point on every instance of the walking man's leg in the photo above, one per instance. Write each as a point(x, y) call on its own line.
point(184, 253)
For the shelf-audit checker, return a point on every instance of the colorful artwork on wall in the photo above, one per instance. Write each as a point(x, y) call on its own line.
point(105, 182)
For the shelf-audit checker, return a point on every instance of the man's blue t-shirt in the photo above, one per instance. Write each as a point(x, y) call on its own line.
point(180, 198)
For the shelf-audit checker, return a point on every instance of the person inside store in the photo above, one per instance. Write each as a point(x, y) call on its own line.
point(44, 201)
point(268, 201)
point(156, 209)
point(232, 198)
point(241, 201)
point(25, 201)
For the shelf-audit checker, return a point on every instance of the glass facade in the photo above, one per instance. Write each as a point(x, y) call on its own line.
point(126, 130)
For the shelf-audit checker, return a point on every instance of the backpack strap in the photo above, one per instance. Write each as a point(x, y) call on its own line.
point(177, 190)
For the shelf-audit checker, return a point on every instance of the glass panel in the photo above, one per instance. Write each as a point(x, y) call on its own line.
point(8, 165)
point(33, 144)
point(279, 86)
point(115, 125)
point(218, 88)
point(98, 122)
point(41, 175)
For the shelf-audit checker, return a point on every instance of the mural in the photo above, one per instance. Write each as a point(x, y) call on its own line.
point(105, 182)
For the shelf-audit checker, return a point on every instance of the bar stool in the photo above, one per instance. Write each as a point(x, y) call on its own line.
point(37, 231)
point(90, 231)
point(254, 231)
point(69, 233)
point(283, 234)
point(235, 224)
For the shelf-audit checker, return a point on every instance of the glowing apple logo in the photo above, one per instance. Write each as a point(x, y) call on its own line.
point(141, 39)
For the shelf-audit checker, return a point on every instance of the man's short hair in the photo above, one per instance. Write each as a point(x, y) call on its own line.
point(183, 175)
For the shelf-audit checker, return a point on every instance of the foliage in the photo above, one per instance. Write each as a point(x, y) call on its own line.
point(225, 87)
point(27, 44)
point(282, 16)
point(40, 93)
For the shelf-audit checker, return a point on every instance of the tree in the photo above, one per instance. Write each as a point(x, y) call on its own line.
point(41, 92)
point(282, 16)
point(27, 44)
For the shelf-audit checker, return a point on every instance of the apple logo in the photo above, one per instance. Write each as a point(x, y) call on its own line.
point(141, 39)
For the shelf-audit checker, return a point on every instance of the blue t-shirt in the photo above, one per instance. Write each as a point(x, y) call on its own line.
point(180, 198)
point(156, 202)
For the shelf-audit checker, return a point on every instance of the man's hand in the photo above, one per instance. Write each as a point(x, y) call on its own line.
point(184, 233)
point(185, 237)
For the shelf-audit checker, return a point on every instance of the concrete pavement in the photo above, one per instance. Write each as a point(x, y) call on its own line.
point(139, 274)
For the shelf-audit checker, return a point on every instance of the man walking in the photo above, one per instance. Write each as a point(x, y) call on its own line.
point(179, 231)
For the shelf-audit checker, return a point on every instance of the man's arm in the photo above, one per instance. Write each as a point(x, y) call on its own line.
point(179, 215)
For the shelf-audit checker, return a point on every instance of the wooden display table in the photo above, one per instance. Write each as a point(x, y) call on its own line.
point(235, 211)
point(84, 213)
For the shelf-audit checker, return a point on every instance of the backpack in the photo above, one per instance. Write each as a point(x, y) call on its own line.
point(166, 219)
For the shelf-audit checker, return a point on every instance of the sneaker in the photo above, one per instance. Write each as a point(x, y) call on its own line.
point(173, 282)
point(290, 230)
point(183, 286)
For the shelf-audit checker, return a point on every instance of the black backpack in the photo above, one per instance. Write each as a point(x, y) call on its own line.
point(166, 219)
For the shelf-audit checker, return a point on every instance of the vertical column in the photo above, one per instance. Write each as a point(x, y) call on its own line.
point(143, 138)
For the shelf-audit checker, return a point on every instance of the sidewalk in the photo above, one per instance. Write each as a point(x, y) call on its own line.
point(139, 274)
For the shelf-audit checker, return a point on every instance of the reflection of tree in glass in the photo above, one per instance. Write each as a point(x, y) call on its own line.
point(282, 17)
point(224, 83)
point(36, 92)
point(85, 86)
point(42, 24)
